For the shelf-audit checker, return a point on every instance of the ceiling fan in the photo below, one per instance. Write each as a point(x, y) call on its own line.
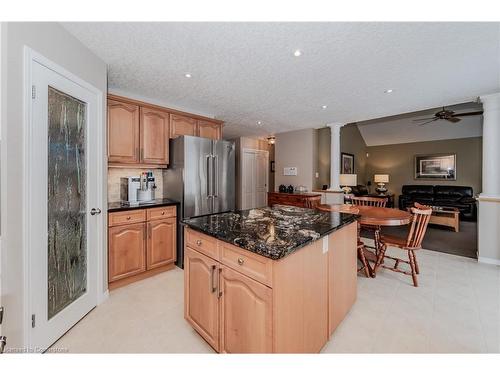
point(448, 115)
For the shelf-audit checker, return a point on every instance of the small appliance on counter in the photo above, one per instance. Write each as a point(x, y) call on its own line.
point(137, 189)
point(289, 189)
point(301, 189)
point(282, 189)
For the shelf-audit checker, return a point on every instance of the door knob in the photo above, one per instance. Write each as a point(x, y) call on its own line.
point(95, 211)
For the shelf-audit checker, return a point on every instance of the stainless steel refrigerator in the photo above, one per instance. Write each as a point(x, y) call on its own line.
point(201, 176)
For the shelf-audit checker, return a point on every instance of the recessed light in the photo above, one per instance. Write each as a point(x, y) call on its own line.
point(388, 91)
point(187, 75)
point(297, 53)
point(324, 106)
point(259, 123)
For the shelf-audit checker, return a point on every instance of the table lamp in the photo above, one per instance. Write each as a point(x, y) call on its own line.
point(346, 181)
point(381, 180)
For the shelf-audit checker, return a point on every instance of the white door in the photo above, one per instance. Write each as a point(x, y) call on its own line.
point(254, 174)
point(63, 167)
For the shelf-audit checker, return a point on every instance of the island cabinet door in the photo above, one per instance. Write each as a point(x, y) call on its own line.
point(342, 274)
point(201, 305)
point(161, 243)
point(126, 251)
point(246, 314)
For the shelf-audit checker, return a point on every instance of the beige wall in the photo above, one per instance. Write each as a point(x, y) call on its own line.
point(398, 161)
point(296, 149)
point(352, 142)
point(55, 43)
point(323, 157)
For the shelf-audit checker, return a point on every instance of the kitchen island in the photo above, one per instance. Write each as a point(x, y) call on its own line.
point(269, 280)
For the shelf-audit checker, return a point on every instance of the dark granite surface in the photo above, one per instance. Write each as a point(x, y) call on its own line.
point(271, 232)
point(119, 206)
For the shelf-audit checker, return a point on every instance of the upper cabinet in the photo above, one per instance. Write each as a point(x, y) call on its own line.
point(208, 129)
point(182, 125)
point(139, 133)
point(154, 126)
point(123, 132)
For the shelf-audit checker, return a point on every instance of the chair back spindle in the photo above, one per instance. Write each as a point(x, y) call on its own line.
point(421, 216)
point(369, 201)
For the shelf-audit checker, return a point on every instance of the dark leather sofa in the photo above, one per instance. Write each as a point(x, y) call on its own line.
point(460, 197)
point(359, 190)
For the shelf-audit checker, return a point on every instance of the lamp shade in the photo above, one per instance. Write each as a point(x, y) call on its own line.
point(384, 178)
point(348, 180)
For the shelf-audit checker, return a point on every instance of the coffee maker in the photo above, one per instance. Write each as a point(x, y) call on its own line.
point(137, 189)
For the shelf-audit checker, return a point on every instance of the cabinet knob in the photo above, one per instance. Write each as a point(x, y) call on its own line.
point(128, 217)
point(241, 261)
point(163, 212)
point(198, 242)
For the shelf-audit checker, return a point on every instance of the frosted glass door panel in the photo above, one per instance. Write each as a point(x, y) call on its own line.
point(67, 228)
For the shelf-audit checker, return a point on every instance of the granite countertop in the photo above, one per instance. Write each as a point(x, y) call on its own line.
point(271, 232)
point(119, 206)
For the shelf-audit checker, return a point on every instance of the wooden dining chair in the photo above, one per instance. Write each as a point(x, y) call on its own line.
point(418, 228)
point(369, 201)
point(373, 202)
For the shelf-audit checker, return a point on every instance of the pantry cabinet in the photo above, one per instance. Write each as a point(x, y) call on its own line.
point(141, 243)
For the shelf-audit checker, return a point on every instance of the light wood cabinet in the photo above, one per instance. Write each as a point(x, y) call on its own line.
point(342, 275)
point(182, 125)
point(139, 247)
point(283, 306)
point(154, 136)
point(201, 304)
point(246, 314)
point(126, 251)
point(123, 132)
point(139, 132)
point(208, 129)
point(161, 243)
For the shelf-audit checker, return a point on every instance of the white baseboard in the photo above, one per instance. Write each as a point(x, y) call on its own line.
point(103, 297)
point(496, 262)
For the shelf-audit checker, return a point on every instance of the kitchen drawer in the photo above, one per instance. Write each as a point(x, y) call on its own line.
point(161, 212)
point(126, 217)
point(252, 265)
point(204, 244)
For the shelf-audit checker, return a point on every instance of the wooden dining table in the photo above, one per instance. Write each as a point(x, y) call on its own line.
point(375, 217)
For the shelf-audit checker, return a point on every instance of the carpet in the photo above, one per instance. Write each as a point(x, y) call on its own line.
point(442, 239)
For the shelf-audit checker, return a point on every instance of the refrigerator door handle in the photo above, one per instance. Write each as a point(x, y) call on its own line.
point(216, 177)
point(209, 176)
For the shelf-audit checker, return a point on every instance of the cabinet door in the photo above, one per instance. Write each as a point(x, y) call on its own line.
point(161, 243)
point(123, 132)
point(154, 136)
point(246, 314)
point(201, 306)
point(207, 129)
point(182, 125)
point(126, 251)
point(342, 274)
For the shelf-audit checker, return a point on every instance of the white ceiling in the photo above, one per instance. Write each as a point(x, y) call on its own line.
point(403, 128)
point(246, 72)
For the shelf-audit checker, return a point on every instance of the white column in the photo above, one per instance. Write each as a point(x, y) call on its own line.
point(489, 199)
point(335, 155)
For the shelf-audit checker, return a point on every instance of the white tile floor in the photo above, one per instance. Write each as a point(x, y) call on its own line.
point(455, 309)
